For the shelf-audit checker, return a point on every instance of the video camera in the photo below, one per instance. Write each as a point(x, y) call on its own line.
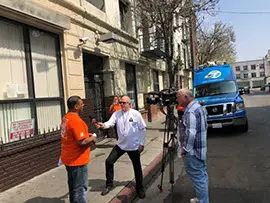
point(165, 97)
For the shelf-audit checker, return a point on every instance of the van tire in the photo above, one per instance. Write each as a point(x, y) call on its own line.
point(244, 128)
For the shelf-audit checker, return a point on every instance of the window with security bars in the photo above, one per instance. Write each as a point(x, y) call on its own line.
point(31, 93)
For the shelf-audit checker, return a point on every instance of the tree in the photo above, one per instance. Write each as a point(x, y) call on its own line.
point(160, 16)
point(216, 44)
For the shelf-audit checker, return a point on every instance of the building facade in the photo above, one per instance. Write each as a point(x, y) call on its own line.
point(250, 73)
point(51, 50)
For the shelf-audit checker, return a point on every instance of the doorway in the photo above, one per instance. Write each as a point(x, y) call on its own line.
point(93, 81)
point(131, 84)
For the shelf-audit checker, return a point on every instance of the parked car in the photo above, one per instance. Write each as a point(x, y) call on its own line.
point(244, 90)
point(264, 86)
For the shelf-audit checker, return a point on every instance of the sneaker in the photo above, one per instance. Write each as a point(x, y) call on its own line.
point(141, 194)
point(107, 190)
point(194, 200)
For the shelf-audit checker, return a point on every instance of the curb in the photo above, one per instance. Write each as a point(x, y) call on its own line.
point(128, 193)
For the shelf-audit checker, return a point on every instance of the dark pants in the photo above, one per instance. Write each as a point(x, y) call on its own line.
point(77, 183)
point(115, 154)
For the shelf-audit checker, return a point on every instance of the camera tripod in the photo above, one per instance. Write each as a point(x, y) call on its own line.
point(169, 145)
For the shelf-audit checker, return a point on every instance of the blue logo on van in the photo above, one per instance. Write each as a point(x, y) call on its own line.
point(213, 74)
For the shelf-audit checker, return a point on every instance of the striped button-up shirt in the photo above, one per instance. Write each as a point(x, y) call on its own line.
point(193, 130)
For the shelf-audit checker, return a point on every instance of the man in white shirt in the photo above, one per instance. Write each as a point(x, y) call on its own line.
point(131, 139)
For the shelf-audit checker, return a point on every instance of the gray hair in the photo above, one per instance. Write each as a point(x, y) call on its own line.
point(185, 92)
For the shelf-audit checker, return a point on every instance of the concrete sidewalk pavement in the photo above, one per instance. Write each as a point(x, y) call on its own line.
point(51, 187)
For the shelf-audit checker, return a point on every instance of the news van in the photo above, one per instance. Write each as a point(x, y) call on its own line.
point(215, 88)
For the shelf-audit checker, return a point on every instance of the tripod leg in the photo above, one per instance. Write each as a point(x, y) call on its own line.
point(165, 154)
point(164, 159)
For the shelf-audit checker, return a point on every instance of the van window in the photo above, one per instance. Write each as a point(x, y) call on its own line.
point(216, 88)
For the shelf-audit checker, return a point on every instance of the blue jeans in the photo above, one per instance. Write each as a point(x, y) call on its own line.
point(196, 170)
point(77, 183)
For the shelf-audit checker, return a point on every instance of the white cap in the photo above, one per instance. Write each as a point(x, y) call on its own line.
point(94, 134)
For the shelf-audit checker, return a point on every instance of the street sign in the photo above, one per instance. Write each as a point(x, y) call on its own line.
point(21, 129)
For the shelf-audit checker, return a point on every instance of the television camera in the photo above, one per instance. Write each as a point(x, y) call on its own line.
point(165, 97)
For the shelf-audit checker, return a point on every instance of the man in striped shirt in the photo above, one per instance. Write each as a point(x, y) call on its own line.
point(192, 136)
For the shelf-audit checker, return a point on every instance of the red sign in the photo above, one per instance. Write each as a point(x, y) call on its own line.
point(21, 129)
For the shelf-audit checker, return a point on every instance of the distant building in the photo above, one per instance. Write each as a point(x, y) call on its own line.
point(250, 73)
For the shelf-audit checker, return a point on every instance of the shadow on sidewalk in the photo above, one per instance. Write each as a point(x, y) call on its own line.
point(99, 184)
point(153, 128)
point(45, 200)
point(105, 146)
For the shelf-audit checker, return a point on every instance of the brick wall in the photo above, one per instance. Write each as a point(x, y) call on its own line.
point(25, 159)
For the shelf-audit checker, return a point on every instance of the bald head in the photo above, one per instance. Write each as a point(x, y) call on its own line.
point(125, 103)
point(126, 98)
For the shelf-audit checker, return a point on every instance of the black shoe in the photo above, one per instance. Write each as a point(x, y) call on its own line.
point(141, 194)
point(107, 190)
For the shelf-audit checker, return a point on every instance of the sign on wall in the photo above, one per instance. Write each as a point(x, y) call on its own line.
point(21, 129)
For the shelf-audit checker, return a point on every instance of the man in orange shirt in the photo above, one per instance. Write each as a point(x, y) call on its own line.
point(75, 152)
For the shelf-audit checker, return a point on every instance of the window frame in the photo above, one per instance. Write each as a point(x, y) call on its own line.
point(101, 9)
point(29, 72)
point(237, 68)
point(262, 74)
point(123, 10)
point(245, 67)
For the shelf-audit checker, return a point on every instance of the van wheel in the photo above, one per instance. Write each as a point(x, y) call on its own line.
point(244, 128)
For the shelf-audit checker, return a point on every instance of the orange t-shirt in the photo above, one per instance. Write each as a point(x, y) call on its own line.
point(114, 108)
point(73, 129)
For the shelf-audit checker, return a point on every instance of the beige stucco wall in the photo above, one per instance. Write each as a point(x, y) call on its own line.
point(88, 21)
point(82, 26)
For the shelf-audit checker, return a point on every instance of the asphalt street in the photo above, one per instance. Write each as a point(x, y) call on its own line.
point(238, 163)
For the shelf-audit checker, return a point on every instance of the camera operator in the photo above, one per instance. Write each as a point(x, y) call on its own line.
point(193, 134)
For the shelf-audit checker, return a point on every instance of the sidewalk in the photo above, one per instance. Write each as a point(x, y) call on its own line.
point(51, 187)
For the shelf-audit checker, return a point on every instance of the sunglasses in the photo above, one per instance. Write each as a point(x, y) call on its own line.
point(123, 102)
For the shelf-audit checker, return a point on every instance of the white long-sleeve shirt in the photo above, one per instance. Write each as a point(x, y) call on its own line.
point(130, 129)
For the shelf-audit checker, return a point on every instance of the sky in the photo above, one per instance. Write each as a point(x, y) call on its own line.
point(252, 31)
